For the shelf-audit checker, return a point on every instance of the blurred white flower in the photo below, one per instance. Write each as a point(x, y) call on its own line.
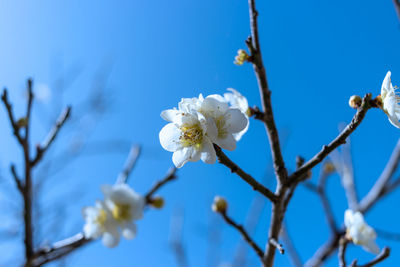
point(390, 101)
point(99, 223)
point(42, 92)
point(360, 232)
point(237, 100)
point(229, 120)
point(125, 206)
point(189, 134)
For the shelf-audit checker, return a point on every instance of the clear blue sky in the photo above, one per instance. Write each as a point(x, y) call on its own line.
point(317, 53)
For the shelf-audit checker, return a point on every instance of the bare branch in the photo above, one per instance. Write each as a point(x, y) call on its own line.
point(380, 185)
point(133, 156)
point(41, 149)
point(256, 58)
point(11, 117)
point(244, 234)
point(223, 159)
point(339, 140)
point(324, 251)
point(17, 180)
point(342, 252)
point(277, 245)
point(169, 177)
point(397, 7)
point(382, 255)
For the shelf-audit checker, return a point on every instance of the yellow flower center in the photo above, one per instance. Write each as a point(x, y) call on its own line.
point(101, 217)
point(222, 132)
point(121, 212)
point(191, 135)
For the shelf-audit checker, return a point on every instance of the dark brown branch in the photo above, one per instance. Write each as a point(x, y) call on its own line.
point(223, 159)
point(11, 117)
point(244, 234)
point(380, 185)
point(171, 175)
point(325, 202)
point(397, 7)
point(133, 156)
point(256, 58)
point(41, 149)
point(342, 252)
point(382, 256)
point(17, 180)
point(59, 249)
point(339, 140)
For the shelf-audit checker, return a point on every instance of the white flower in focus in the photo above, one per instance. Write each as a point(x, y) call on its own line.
point(229, 120)
point(359, 232)
point(189, 134)
point(125, 206)
point(99, 223)
point(390, 101)
point(237, 100)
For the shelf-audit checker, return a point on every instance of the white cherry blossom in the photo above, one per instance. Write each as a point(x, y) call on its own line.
point(390, 101)
point(360, 232)
point(189, 135)
point(237, 100)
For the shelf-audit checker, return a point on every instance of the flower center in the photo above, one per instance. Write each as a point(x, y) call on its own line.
point(121, 212)
point(191, 135)
point(222, 131)
point(101, 217)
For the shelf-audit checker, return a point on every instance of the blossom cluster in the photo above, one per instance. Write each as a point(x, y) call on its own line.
point(114, 216)
point(200, 122)
point(390, 100)
point(359, 232)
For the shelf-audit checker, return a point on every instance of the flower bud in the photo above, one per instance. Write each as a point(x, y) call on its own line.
point(22, 122)
point(329, 167)
point(355, 101)
point(157, 202)
point(220, 205)
point(241, 57)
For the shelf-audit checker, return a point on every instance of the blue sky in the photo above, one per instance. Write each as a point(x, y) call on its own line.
point(317, 53)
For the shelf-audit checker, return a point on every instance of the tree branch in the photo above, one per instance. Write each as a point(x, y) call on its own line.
point(171, 175)
point(41, 149)
point(256, 58)
point(339, 140)
point(223, 159)
point(382, 255)
point(397, 7)
point(133, 156)
point(11, 118)
point(379, 187)
point(244, 234)
point(342, 252)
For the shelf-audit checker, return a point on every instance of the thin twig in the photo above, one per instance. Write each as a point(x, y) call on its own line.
point(244, 234)
point(14, 126)
point(397, 7)
point(171, 175)
point(380, 185)
point(277, 245)
point(342, 252)
point(41, 149)
point(339, 140)
point(256, 58)
point(134, 154)
point(17, 180)
point(223, 159)
point(380, 257)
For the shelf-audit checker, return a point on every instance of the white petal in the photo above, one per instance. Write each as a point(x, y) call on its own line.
point(169, 114)
point(228, 143)
point(129, 231)
point(386, 84)
point(236, 121)
point(348, 218)
point(372, 247)
point(208, 152)
point(196, 154)
point(110, 239)
point(169, 137)
point(92, 230)
point(210, 128)
point(239, 135)
point(214, 106)
point(180, 157)
point(358, 219)
point(394, 120)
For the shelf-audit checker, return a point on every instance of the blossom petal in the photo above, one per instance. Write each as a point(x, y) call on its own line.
point(169, 114)
point(372, 247)
point(169, 137)
point(236, 121)
point(387, 83)
point(180, 157)
point(111, 239)
point(208, 154)
point(129, 231)
point(228, 143)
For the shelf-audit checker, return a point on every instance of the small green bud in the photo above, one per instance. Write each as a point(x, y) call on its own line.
point(219, 205)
